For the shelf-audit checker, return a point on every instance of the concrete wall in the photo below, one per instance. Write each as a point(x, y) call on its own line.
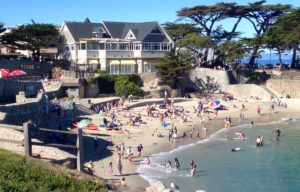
point(16, 114)
point(210, 75)
point(245, 91)
point(284, 87)
point(9, 88)
point(91, 90)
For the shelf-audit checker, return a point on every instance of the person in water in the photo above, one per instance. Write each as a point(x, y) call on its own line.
point(278, 133)
point(259, 141)
point(177, 164)
point(193, 170)
point(192, 163)
point(240, 135)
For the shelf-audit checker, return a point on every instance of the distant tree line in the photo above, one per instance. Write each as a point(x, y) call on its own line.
point(202, 41)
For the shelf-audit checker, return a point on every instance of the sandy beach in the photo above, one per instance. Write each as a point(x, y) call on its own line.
point(145, 134)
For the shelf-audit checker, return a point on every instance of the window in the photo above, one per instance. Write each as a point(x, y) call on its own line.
point(137, 46)
point(92, 46)
point(150, 68)
point(127, 69)
point(155, 46)
point(101, 46)
point(155, 31)
point(146, 46)
point(114, 69)
point(124, 46)
point(83, 46)
point(111, 46)
point(165, 46)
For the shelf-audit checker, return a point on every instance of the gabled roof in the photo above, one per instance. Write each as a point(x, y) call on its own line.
point(140, 30)
point(84, 29)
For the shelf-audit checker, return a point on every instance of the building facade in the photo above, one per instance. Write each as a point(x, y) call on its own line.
point(115, 47)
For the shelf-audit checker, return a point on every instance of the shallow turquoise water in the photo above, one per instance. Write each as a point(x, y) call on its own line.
point(273, 167)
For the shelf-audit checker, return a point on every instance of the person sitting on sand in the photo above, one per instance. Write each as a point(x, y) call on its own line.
point(123, 182)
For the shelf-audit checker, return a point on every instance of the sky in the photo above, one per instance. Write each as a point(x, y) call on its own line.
point(17, 12)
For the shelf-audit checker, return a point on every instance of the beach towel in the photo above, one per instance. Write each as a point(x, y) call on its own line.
point(92, 127)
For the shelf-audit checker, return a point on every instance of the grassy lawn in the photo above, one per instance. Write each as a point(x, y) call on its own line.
point(19, 173)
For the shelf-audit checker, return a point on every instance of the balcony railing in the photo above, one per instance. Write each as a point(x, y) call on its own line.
point(146, 46)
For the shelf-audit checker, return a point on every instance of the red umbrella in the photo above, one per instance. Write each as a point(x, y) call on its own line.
point(17, 73)
point(4, 73)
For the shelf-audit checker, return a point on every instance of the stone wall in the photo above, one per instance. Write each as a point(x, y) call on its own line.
point(284, 87)
point(245, 91)
point(16, 114)
point(9, 89)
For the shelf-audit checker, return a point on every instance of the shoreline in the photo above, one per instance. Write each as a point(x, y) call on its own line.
point(160, 145)
point(167, 149)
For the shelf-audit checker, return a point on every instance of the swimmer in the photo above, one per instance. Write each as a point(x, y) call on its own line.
point(235, 149)
point(193, 171)
point(259, 141)
point(192, 163)
point(278, 133)
point(240, 135)
point(177, 164)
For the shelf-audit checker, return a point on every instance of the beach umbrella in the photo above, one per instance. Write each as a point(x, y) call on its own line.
point(17, 73)
point(83, 123)
point(4, 73)
point(214, 104)
point(101, 114)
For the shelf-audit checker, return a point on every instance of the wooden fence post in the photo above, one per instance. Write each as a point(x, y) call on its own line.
point(27, 139)
point(80, 151)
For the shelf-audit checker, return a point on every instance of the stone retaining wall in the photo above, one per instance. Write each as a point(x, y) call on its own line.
point(284, 87)
point(245, 91)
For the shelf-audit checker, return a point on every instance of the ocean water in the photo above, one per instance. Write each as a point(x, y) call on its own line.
point(274, 167)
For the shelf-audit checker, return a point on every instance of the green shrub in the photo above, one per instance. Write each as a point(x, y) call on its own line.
point(106, 82)
point(123, 87)
point(19, 173)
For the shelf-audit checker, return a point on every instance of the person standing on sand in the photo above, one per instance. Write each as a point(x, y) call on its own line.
point(170, 134)
point(258, 110)
point(122, 149)
point(110, 168)
point(139, 150)
point(252, 124)
point(120, 166)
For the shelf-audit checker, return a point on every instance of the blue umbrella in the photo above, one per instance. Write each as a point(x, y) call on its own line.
point(164, 124)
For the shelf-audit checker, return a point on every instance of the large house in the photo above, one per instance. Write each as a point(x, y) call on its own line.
point(115, 47)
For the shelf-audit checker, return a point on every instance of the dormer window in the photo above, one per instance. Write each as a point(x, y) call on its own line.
point(130, 35)
point(156, 30)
